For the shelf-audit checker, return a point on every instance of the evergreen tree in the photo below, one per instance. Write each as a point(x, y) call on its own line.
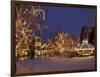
point(92, 36)
point(84, 33)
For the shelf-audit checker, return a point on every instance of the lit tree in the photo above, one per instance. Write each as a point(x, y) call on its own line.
point(65, 42)
point(25, 18)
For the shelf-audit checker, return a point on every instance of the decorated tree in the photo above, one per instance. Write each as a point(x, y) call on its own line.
point(65, 44)
point(27, 26)
point(63, 41)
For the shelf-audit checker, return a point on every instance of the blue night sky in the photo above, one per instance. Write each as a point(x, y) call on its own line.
point(68, 19)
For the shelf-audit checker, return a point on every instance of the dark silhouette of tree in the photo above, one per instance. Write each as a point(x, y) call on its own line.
point(91, 36)
point(84, 33)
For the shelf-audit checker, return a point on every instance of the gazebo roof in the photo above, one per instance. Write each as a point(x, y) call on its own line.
point(85, 46)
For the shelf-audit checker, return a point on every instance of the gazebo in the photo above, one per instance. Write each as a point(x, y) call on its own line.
point(85, 48)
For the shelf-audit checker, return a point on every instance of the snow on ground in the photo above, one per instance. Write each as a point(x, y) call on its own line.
point(55, 64)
